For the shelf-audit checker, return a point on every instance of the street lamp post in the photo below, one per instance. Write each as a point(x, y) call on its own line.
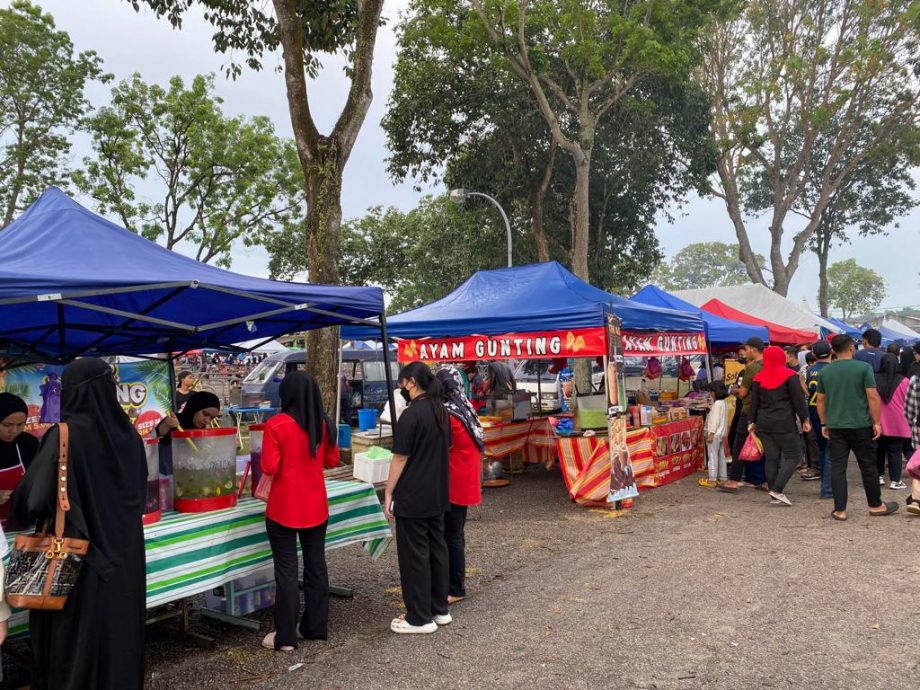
point(458, 196)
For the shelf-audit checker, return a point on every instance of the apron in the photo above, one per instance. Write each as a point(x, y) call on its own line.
point(9, 479)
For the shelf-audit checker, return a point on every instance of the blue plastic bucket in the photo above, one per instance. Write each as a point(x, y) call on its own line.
point(367, 419)
point(344, 436)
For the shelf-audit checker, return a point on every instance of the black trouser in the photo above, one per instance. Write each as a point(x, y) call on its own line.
point(812, 451)
point(454, 524)
point(891, 447)
point(859, 441)
point(423, 565)
point(314, 623)
point(782, 453)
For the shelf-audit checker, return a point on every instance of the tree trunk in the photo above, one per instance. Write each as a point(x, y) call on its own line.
point(823, 255)
point(582, 216)
point(537, 208)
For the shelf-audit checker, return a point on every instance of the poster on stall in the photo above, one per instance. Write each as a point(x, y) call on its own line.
point(622, 478)
point(733, 369)
point(143, 391)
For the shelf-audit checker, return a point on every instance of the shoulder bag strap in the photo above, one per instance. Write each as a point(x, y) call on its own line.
point(63, 501)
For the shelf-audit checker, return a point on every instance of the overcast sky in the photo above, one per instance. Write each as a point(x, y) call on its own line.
point(129, 42)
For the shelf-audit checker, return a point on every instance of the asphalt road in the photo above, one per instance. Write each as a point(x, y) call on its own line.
point(691, 589)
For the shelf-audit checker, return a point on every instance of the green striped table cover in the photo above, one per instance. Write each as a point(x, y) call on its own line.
point(191, 553)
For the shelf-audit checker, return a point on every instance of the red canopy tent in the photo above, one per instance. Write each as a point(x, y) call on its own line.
point(779, 335)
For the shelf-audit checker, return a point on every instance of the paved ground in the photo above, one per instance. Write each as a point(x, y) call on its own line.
point(691, 589)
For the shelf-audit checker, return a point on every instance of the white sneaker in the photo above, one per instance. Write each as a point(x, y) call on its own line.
point(897, 485)
point(881, 481)
point(781, 498)
point(404, 627)
point(443, 620)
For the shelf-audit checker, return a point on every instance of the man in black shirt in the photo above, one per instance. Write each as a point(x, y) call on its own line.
point(417, 495)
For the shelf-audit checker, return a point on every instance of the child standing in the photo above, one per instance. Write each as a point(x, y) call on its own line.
point(716, 428)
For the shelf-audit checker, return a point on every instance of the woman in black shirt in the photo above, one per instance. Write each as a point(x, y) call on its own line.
point(776, 401)
point(417, 496)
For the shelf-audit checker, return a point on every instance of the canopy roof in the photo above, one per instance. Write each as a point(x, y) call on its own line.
point(760, 301)
point(904, 332)
point(527, 299)
point(846, 328)
point(719, 331)
point(779, 335)
point(73, 284)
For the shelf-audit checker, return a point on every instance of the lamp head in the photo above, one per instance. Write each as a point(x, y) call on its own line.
point(458, 196)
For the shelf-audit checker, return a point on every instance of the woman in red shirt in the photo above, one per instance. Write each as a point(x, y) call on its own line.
point(465, 475)
point(296, 445)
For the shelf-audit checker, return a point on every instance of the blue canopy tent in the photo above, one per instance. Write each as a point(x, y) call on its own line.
point(719, 331)
point(846, 328)
point(522, 299)
point(73, 284)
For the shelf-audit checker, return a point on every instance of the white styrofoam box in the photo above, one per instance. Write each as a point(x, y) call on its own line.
point(370, 471)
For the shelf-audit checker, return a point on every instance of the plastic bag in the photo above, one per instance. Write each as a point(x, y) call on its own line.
point(686, 372)
point(913, 465)
point(264, 487)
point(652, 369)
point(752, 450)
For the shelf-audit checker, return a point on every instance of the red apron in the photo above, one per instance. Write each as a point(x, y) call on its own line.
point(9, 479)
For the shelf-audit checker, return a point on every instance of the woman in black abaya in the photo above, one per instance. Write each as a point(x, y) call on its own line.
point(97, 640)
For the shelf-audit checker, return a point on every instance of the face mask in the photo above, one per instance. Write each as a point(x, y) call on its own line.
point(405, 394)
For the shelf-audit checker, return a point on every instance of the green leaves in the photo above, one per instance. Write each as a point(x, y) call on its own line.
point(208, 180)
point(703, 265)
point(41, 104)
point(854, 289)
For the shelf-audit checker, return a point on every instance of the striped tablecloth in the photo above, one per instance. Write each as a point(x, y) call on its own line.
point(533, 436)
point(191, 553)
point(659, 455)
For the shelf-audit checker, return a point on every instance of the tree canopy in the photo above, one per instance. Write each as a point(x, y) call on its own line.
point(212, 179)
point(804, 93)
point(41, 104)
point(703, 265)
point(854, 289)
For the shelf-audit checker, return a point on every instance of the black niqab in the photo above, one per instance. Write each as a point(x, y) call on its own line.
point(302, 401)
point(97, 641)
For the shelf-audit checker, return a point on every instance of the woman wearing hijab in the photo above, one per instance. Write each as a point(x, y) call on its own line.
point(97, 640)
point(777, 400)
point(297, 444)
point(465, 476)
point(892, 389)
point(200, 411)
point(16, 447)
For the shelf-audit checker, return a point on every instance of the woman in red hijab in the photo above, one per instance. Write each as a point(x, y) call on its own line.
point(777, 406)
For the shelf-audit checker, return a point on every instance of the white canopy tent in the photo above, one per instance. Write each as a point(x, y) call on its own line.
point(898, 327)
point(760, 301)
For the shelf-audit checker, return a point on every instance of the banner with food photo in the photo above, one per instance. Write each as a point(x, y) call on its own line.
point(622, 477)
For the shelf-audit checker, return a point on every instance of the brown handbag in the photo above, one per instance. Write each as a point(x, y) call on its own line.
point(44, 567)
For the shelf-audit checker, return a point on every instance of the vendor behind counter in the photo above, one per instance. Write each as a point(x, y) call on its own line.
point(200, 411)
point(17, 448)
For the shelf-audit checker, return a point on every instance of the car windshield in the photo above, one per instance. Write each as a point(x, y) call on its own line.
point(263, 373)
point(374, 371)
point(528, 371)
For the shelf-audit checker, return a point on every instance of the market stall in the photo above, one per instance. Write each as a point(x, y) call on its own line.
point(189, 554)
point(778, 334)
point(494, 316)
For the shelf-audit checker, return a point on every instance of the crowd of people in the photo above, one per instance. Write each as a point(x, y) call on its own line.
point(810, 409)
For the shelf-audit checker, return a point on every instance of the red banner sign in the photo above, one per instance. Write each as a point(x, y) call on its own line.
point(663, 344)
point(579, 342)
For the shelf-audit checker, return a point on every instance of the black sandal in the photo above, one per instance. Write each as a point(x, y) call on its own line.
point(890, 508)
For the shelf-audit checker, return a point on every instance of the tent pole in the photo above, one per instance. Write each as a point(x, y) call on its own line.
point(338, 388)
point(387, 373)
point(539, 390)
point(171, 372)
point(62, 332)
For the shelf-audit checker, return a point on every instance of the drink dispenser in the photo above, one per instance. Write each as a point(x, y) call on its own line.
point(152, 508)
point(255, 454)
point(204, 469)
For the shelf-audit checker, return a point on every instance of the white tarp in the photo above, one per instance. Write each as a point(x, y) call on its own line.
point(760, 301)
point(898, 327)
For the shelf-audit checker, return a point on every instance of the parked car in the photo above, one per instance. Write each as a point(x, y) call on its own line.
point(363, 368)
point(550, 387)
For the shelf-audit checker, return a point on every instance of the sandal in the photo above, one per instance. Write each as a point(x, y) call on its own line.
point(841, 518)
point(727, 489)
point(890, 508)
point(451, 599)
point(269, 643)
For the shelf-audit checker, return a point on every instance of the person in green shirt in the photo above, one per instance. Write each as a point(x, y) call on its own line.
point(849, 410)
point(755, 472)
